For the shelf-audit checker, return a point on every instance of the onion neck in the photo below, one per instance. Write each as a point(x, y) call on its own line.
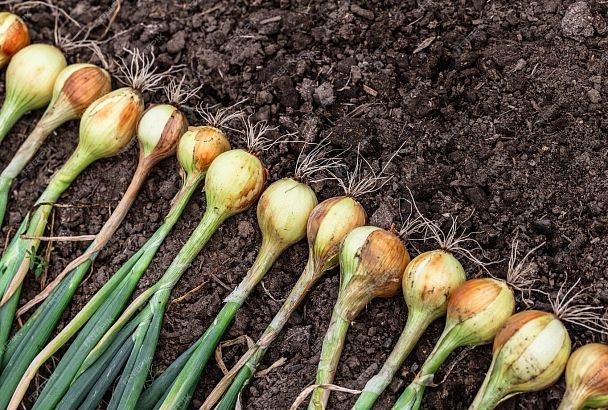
point(491, 392)
point(333, 343)
point(9, 115)
point(267, 256)
point(417, 322)
point(574, 399)
point(62, 179)
point(305, 282)
point(210, 222)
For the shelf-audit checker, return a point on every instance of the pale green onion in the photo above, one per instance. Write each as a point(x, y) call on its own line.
point(30, 78)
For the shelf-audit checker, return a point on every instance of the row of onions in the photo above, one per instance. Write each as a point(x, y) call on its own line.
point(111, 342)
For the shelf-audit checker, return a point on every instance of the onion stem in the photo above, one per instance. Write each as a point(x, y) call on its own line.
point(102, 310)
point(308, 278)
point(331, 351)
point(417, 322)
point(61, 290)
point(172, 392)
point(9, 115)
point(17, 256)
point(143, 330)
point(283, 212)
point(234, 182)
point(411, 398)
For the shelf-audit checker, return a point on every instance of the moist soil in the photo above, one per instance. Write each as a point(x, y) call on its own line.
point(495, 109)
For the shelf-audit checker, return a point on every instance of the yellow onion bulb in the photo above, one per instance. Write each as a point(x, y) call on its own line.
point(234, 181)
point(77, 86)
point(530, 353)
point(109, 123)
point(31, 75)
point(428, 281)
point(587, 378)
point(199, 146)
point(477, 309)
point(159, 130)
point(283, 211)
point(14, 36)
point(372, 262)
point(328, 225)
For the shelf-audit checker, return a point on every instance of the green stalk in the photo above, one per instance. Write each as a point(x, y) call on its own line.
point(47, 124)
point(146, 325)
point(9, 115)
point(5, 314)
point(5, 190)
point(184, 384)
point(411, 398)
point(98, 315)
point(245, 374)
point(333, 344)
point(306, 281)
point(17, 258)
point(417, 322)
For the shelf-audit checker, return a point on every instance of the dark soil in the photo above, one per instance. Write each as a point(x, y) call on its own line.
point(499, 104)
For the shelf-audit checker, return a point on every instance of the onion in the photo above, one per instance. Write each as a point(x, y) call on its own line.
point(30, 78)
point(529, 354)
point(372, 262)
point(586, 378)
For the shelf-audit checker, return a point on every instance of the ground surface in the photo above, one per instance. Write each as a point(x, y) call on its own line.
point(500, 105)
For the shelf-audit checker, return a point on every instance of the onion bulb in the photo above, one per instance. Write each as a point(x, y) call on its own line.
point(529, 354)
point(14, 35)
point(30, 78)
point(586, 378)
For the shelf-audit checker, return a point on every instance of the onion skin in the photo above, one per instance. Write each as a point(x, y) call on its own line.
point(78, 86)
point(159, 130)
point(373, 261)
point(31, 75)
point(232, 192)
point(14, 35)
point(283, 211)
point(529, 354)
point(110, 123)
point(328, 225)
point(480, 307)
point(587, 378)
point(199, 146)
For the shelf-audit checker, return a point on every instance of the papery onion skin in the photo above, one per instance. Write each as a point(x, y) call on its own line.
point(199, 146)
